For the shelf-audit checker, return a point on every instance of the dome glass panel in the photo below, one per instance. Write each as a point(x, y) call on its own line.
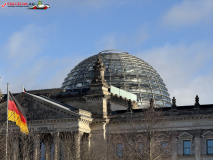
point(123, 71)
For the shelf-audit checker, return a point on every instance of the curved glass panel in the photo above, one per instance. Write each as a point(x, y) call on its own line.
point(124, 71)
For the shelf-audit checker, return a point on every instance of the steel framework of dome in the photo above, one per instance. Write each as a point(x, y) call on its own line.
point(124, 71)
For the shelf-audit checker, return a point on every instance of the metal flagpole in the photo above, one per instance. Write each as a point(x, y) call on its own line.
point(7, 116)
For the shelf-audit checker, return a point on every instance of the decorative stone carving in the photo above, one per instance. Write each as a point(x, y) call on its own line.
point(197, 100)
point(99, 69)
point(1, 95)
point(2, 98)
point(130, 106)
point(197, 104)
point(174, 107)
point(185, 135)
point(152, 104)
point(197, 133)
point(163, 136)
point(173, 101)
point(207, 134)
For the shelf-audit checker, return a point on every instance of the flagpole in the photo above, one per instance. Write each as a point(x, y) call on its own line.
point(7, 116)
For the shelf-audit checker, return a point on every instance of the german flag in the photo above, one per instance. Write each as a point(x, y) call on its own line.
point(16, 114)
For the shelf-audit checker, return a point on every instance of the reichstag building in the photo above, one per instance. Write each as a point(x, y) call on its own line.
point(100, 97)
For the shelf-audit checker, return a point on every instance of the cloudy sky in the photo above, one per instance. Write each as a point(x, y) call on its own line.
point(38, 48)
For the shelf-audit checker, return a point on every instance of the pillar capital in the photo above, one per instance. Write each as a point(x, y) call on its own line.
point(197, 133)
point(79, 134)
point(89, 136)
point(55, 134)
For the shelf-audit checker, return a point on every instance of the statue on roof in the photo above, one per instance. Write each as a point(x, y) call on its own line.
point(99, 70)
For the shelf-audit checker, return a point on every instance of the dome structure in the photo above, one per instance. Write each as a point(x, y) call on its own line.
point(123, 71)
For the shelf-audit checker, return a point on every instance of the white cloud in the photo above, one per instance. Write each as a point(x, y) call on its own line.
point(183, 70)
point(23, 45)
point(201, 86)
point(141, 34)
point(108, 41)
point(44, 73)
point(189, 12)
point(24, 65)
point(27, 40)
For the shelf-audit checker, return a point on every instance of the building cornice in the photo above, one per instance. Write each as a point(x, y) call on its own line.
point(166, 118)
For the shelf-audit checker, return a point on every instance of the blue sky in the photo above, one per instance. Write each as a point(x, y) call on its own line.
point(38, 48)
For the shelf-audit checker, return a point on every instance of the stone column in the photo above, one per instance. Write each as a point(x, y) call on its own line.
point(63, 149)
point(78, 136)
point(89, 141)
point(37, 147)
point(68, 145)
point(47, 149)
point(56, 144)
point(197, 145)
point(15, 149)
point(99, 137)
point(63, 146)
point(174, 145)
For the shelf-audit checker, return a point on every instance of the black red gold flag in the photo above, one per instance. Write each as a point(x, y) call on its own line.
point(16, 114)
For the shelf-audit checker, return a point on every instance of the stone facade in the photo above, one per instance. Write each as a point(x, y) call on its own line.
point(51, 114)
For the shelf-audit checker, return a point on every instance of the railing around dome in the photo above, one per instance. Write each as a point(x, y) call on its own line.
point(114, 51)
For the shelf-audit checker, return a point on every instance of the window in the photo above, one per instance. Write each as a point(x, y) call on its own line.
point(140, 146)
point(52, 152)
point(209, 146)
point(164, 144)
point(186, 147)
point(165, 147)
point(119, 150)
point(42, 151)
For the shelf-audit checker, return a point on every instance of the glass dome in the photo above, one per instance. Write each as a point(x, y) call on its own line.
point(123, 71)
